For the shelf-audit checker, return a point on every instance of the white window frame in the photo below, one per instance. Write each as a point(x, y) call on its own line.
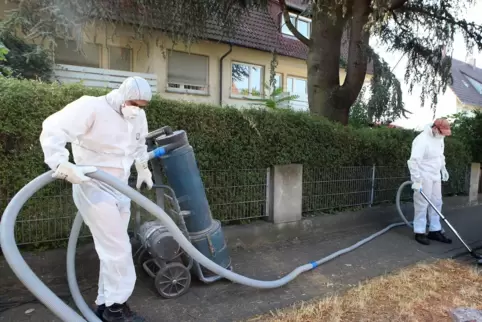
point(261, 90)
point(183, 88)
point(296, 17)
point(290, 90)
point(301, 103)
point(281, 81)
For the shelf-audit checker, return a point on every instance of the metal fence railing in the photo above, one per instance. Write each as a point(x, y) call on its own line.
point(235, 196)
point(351, 187)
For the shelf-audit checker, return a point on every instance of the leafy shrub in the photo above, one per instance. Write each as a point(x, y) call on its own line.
point(23, 60)
point(468, 128)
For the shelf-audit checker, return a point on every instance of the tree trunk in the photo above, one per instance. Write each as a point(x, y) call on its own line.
point(323, 66)
point(325, 95)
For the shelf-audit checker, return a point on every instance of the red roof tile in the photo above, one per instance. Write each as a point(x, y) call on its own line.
point(260, 31)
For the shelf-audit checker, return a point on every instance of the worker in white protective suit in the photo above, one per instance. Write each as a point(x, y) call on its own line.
point(427, 169)
point(107, 133)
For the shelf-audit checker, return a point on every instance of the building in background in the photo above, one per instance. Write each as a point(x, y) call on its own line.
point(465, 93)
point(217, 71)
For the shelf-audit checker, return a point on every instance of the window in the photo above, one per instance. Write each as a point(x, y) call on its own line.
point(247, 79)
point(297, 86)
point(65, 53)
point(278, 78)
point(120, 58)
point(302, 24)
point(476, 84)
point(187, 73)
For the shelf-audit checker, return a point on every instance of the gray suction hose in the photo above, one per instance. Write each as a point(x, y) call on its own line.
point(15, 260)
point(397, 202)
point(62, 310)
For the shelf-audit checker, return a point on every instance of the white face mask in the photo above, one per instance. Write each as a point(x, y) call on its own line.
point(130, 112)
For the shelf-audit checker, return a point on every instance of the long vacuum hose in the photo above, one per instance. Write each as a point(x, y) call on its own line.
point(66, 313)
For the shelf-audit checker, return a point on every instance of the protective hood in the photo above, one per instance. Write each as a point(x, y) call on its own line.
point(133, 88)
point(428, 131)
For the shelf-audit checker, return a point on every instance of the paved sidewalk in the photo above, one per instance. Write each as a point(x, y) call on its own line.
point(225, 301)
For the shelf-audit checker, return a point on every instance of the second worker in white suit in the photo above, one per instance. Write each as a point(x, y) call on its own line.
point(108, 133)
point(427, 170)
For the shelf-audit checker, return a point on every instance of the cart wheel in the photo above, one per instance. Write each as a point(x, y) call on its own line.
point(142, 257)
point(173, 280)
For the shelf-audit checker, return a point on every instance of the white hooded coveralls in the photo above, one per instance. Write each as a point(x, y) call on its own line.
point(103, 138)
point(426, 162)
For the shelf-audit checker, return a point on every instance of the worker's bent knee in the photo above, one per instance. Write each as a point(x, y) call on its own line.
point(116, 258)
point(438, 203)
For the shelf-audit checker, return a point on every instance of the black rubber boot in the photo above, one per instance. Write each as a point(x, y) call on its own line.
point(121, 313)
point(99, 311)
point(439, 236)
point(422, 239)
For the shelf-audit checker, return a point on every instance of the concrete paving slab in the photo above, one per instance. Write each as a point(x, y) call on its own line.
point(225, 301)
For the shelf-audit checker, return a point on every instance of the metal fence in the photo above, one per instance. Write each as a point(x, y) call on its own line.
point(351, 187)
point(235, 196)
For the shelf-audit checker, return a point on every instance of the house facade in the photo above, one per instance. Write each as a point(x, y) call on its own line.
point(217, 70)
point(465, 92)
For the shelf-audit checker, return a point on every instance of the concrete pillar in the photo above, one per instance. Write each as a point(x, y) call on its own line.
point(474, 182)
point(284, 193)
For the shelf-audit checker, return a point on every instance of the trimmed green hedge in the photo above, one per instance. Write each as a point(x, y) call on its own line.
point(223, 138)
point(468, 129)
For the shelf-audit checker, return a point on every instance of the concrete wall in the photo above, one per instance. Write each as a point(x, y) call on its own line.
point(474, 182)
point(285, 193)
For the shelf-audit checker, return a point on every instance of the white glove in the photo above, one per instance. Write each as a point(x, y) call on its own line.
point(143, 174)
point(73, 173)
point(445, 175)
point(417, 186)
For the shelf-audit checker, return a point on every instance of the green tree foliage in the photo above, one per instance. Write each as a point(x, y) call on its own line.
point(22, 60)
point(4, 70)
point(467, 127)
point(422, 29)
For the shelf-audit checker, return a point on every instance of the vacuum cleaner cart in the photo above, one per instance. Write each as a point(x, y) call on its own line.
point(160, 255)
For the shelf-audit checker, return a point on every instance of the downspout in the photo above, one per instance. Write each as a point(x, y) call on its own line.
point(221, 73)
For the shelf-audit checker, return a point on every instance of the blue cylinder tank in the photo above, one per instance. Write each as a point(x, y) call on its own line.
point(182, 172)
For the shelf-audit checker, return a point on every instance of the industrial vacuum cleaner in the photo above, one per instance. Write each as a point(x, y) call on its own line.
point(159, 254)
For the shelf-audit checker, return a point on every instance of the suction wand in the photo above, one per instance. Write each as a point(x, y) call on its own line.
point(478, 257)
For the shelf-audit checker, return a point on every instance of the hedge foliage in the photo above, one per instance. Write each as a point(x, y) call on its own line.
point(468, 128)
point(223, 139)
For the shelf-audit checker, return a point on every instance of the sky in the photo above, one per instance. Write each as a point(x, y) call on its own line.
point(424, 115)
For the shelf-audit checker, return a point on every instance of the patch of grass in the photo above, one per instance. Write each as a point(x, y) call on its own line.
point(424, 292)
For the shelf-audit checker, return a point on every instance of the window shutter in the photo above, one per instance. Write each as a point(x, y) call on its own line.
point(189, 69)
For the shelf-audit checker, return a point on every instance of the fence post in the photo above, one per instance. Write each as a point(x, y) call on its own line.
point(285, 193)
point(372, 192)
point(474, 182)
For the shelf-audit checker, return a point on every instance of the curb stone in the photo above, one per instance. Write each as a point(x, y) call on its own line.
point(462, 314)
